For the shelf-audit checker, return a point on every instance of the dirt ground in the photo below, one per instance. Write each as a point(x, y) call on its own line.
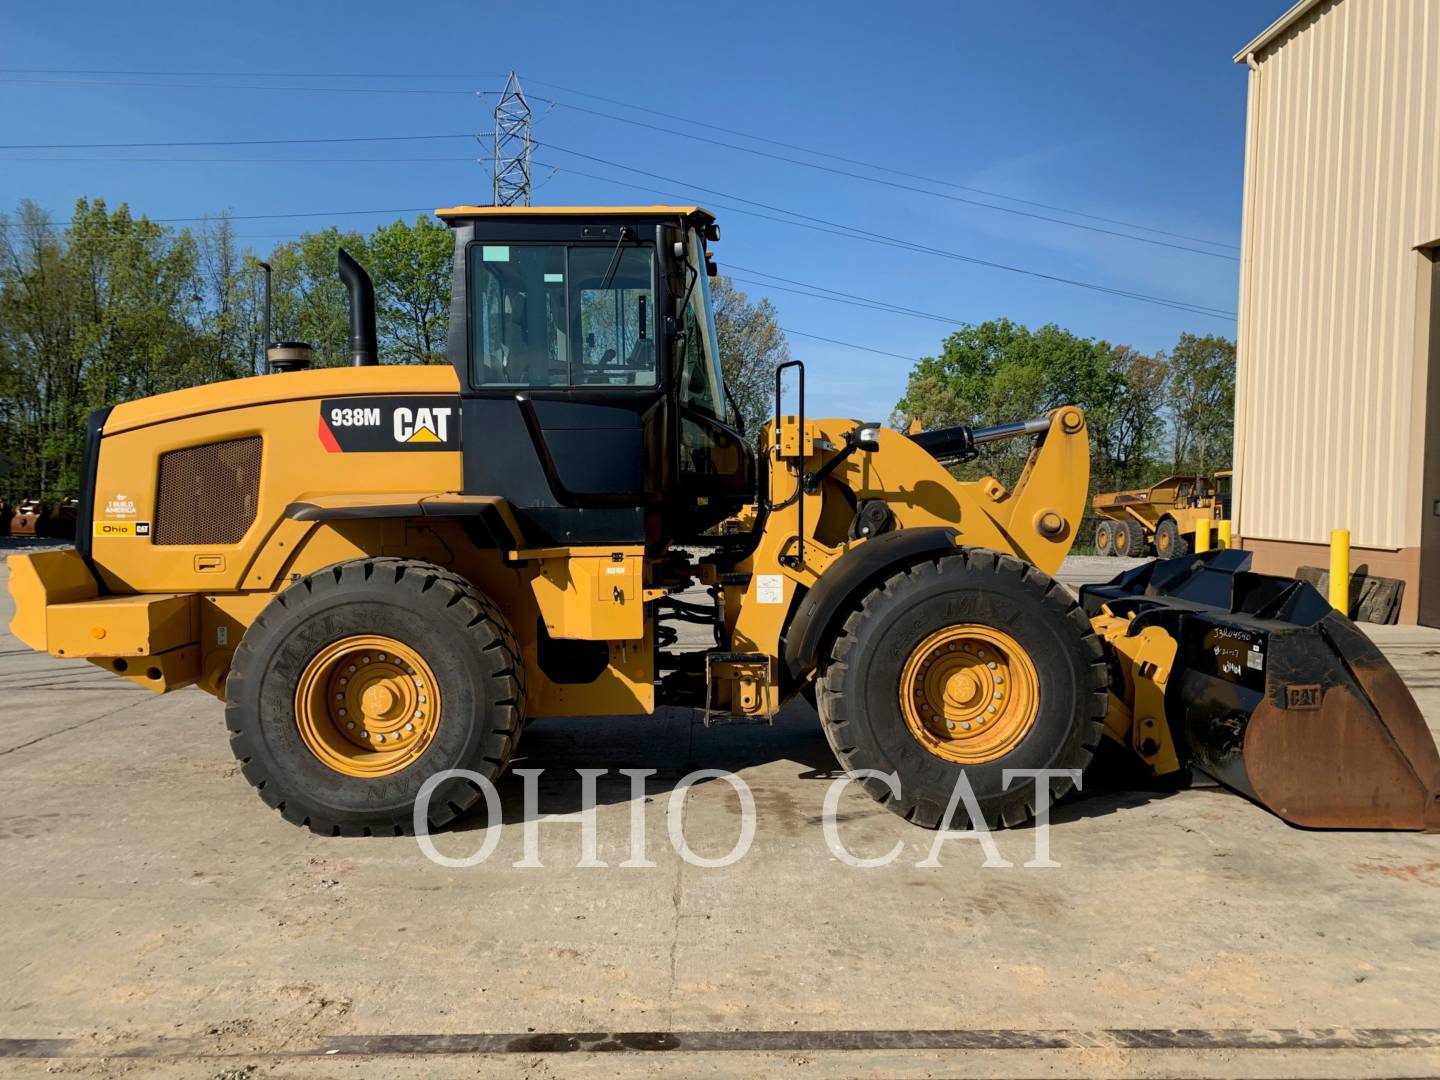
point(161, 921)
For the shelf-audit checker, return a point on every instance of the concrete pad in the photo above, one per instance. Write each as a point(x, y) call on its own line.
point(161, 921)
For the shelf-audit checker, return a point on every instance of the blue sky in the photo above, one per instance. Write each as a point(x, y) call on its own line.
point(1130, 111)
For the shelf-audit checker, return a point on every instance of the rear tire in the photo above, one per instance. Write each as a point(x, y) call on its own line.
point(1169, 543)
point(1129, 540)
point(442, 627)
point(994, 598)
point(1105, 538)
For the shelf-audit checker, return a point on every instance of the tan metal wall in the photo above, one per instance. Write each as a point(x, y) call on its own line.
point(1342, 183)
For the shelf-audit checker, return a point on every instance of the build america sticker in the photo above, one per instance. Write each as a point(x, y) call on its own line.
point(370, 425)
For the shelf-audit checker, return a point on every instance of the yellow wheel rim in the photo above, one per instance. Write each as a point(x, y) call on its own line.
point(367, 705)
point(969, 693)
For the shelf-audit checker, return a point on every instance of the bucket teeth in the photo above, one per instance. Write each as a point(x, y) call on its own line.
point(1280, 697)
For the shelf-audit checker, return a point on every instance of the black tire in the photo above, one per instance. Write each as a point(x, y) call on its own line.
point(1130, 540)
point(1105, 538)
point(462, 636)
point(860, 685)
point(1169, 542)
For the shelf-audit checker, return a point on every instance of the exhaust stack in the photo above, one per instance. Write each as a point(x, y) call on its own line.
point(363, 348)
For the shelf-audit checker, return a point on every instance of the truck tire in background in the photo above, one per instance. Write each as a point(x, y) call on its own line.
point(1130, 540)
point(1105, 537)
point(1169, 542)
point(362, 680)
point(969, 663)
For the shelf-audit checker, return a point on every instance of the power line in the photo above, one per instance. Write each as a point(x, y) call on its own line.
point(638, 108)
point(881, 168)
point(893, 183)
point(252, 86)
point(503, 124)
point(821, 292)
point(806, 221)
point(244, 74)
point(473, 160)
point(233, 142)
point(249, 217)
point(851, 345)
point(854, 232)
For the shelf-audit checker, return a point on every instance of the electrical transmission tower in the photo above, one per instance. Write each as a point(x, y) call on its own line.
point(512, 146)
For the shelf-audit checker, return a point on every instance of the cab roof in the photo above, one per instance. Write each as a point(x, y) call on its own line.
point(574, 211)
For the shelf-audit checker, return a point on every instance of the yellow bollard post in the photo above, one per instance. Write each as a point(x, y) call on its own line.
point(1340, 570)
point(1224, 532)
point(1202, 535)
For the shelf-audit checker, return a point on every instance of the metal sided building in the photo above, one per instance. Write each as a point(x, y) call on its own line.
point(1337, 413)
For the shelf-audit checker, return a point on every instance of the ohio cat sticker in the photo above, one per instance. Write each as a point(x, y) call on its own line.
point(373, 425)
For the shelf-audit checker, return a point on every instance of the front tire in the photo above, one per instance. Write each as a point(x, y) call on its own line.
point(1169, 543)
point(971, 664)
point(361, 681)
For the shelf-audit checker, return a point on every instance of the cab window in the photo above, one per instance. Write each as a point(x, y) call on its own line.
point(559, 316)
point(612, 307)
point(701, 385)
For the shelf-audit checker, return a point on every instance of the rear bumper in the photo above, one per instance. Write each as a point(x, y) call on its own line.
point(150, 639)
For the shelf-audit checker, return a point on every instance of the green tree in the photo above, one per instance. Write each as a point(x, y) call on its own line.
point(232, 300)
point(37, 328)
point(1201, 402)
point(1126, 430)
point(411, 266)
point(310, 303)
point(751, 346)
point(999, 371)
point(107, 310)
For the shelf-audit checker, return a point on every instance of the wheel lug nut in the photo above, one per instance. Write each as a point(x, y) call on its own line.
point(351, 669)
point(419, 715)
point(379, 738)
point(991, 664)
point(380, 657)
point(342, 712)
point(350, 725)
point(997, 695)
point(364, 734)
point(965, 725)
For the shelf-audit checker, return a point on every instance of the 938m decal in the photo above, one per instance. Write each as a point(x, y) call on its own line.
point(369, 425)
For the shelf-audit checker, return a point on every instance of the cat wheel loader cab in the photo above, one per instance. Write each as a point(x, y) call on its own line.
point(385, 572)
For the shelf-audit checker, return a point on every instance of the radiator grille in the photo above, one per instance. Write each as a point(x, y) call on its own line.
point(208, 494)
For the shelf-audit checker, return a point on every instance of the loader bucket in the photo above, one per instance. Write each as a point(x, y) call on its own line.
point(1280, 697)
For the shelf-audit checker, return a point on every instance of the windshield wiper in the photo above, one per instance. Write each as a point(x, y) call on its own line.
point(615, 257)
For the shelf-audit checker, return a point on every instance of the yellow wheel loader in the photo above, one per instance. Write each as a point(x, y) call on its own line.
point(387, 571)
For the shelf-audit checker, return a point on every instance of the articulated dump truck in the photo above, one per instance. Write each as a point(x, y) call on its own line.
point(385, 572)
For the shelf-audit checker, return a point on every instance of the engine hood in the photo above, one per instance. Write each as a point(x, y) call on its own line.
point(289, 386)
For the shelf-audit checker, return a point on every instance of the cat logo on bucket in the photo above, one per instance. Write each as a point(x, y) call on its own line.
point(373, 425)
